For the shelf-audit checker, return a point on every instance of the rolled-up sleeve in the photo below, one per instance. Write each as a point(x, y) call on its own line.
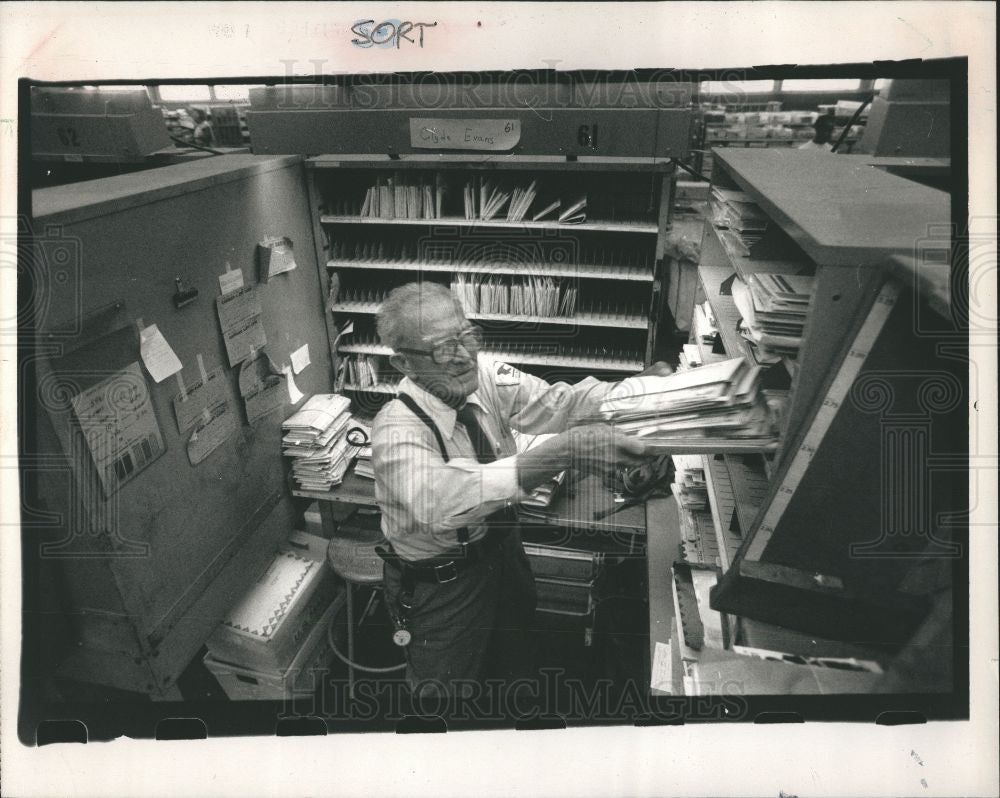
point(536, 406)
point(424, 499)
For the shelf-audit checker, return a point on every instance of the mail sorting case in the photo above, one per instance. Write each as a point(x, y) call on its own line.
point(550, 562)
point(265, 629)
point(565, 581)
point(302, 675)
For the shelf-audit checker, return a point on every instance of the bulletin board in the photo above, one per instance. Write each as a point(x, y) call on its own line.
point(161, 557)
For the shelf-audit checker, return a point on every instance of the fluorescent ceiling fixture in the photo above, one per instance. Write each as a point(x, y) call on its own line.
point(821, 84)
point(183, 94)
point(231, 93)
point(736, 86)
point(121, 88)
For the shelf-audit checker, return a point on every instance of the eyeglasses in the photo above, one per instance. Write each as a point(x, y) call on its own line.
point(471, 339)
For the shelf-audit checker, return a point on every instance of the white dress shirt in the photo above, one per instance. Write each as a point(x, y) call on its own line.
point(424, 500)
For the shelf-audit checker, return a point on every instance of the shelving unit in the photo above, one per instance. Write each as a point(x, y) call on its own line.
point(613, 262)
point(622, 321)
point(596, 226)
point(784, 528)
point(522, 358)
point(585, 270)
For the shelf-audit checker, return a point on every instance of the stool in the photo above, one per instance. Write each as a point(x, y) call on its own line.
point(355, 561)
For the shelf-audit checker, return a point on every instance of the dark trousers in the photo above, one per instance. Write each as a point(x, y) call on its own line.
point(473, 628)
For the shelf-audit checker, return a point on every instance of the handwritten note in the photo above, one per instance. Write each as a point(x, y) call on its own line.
point(300, 358)
point(261, 387)
point(494, 135)
point(214, 427)
point(231, 281)
point(157, 355)
point(239, 317)
point(200, 396)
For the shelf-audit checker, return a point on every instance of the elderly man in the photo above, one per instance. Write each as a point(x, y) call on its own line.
point(447, 477)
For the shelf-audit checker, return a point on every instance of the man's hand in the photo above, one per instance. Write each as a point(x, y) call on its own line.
point(589, 449)
point(599, 449)
point(658, 369)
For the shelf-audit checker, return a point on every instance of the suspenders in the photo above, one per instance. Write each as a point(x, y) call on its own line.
point(400, 615)
point(418, 411)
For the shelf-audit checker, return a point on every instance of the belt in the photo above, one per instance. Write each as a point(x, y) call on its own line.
point(445, 567)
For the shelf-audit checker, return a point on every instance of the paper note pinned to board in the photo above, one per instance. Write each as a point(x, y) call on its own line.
point(661, 675)
point(119, 426)
point(239, 317)
point(300, 358)
point(157, 355)
point(230, 281)
point(275, 256)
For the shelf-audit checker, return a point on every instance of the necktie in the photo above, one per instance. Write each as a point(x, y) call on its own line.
point(480, 442)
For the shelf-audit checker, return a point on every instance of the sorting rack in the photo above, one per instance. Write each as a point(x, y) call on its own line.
point(614, 259)
point(807, 598)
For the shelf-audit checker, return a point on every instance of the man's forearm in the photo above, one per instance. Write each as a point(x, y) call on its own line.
point(542, 462)
point(592, 448)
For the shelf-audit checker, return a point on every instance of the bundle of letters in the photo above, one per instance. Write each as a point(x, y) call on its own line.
point(360, 371)
point(743, 223)
point(774, 308)
point(400, 198)
point(527, 296)
point(689, 476)
point(714, 408)
point(316, 437)
point(698, 542)
point(484, 199)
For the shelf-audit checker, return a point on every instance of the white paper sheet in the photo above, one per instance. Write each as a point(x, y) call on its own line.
point(157, 355)
point(300, 358)
point(294, 394)
point(661, 675)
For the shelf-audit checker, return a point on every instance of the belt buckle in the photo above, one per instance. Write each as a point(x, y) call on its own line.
point(444, 567)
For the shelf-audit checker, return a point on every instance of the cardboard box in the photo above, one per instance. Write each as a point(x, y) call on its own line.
point(265, 629)
point(303, 675)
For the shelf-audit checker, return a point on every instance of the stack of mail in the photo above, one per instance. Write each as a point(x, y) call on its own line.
point(736, 212)
point(316, 437)
point(774, 308)
point(521, 201)
point(689, 477)
point(717, 407)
